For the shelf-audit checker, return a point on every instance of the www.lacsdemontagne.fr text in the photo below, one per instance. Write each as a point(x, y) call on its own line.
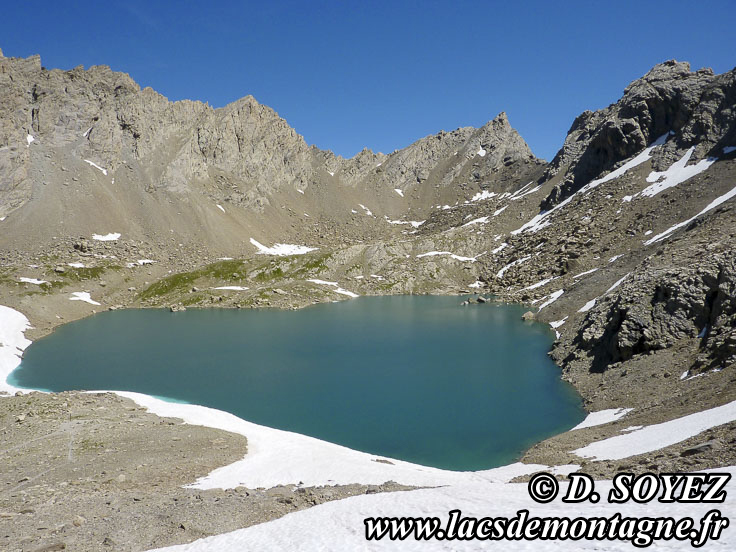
point(641, 532)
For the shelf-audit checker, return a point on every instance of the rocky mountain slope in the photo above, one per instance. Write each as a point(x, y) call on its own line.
point(624, 243)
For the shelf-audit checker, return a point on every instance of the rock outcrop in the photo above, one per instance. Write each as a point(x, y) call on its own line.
point(696, 107)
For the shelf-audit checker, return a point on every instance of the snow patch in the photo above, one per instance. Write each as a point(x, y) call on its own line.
point(76, 265)
point(602, 417)
point(618, 283)
point(30, 139)
point(658, 436)
point(398, 191)
point(96, 166)
point(106, 237)
point(677, 173)
point(476, 285)
point(728, 149)
point(452, 255)
point(557, 323)
point(335, 285)
point(481, 220)
point(500, 248)
point(514, 263)
point(538, 284)
point(589, 305)
point(282, 249)
point(220, 207)
point(233, 288)
point(551, 298)
point(12, 344)
point(584, 273)
point(712, 205)
point(615, 258)
point(499, 211)
point(83, 296)
point(482, 152)
point(32, 281)
point(485, 194)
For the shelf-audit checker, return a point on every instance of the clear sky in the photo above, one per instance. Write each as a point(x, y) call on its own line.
point(381, 74)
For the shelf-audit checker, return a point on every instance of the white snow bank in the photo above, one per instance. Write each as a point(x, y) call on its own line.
point(658, 436)
point(277, 457)
point(482, 152)
point(82, 296)
point(551, 298)
point(30, 139)
point(499, 211)
point(398, 191)
point(451, 255)
point(96, 166)
point(557, 323)
point(346, 292)
point(501, 272)
point(538, 284)
point(32, 281)
point(584, 273)
point(366, 209)
point(481, 220)
point(485, 194)
point(712, 205)
point(728, 149)
point(282, 249)
point(500, 248)
point(677, 173)
point(220, 207)
point(106, 237)
point(602, 417)
point(12, 344)
point(76, 265)
point(335, 285)
point(476, 285)
point(233, 288)
point(617, 283)
point(339, 525)
point(542, 219)
point(300, 191)
point(589, 305)
point(414, 223)
point(615, 258)
point(521, 193)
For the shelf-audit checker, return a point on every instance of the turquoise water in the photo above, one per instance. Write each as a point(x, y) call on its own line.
point(416, 378)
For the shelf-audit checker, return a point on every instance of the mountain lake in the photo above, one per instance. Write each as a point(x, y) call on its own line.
point(417, 378)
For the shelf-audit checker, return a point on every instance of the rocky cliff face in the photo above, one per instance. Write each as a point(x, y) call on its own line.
point(243, 155)
point(696, 107)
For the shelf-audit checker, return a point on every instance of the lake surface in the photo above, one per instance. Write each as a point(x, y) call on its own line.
point(421, 378)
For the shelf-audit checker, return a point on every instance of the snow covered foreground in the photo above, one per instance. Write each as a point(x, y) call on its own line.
point(279, 457)
point(338, 526)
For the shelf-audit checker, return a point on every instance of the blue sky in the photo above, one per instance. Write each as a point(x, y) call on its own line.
point(382, 74)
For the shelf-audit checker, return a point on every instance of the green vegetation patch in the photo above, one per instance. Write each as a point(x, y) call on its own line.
point(221, 270)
